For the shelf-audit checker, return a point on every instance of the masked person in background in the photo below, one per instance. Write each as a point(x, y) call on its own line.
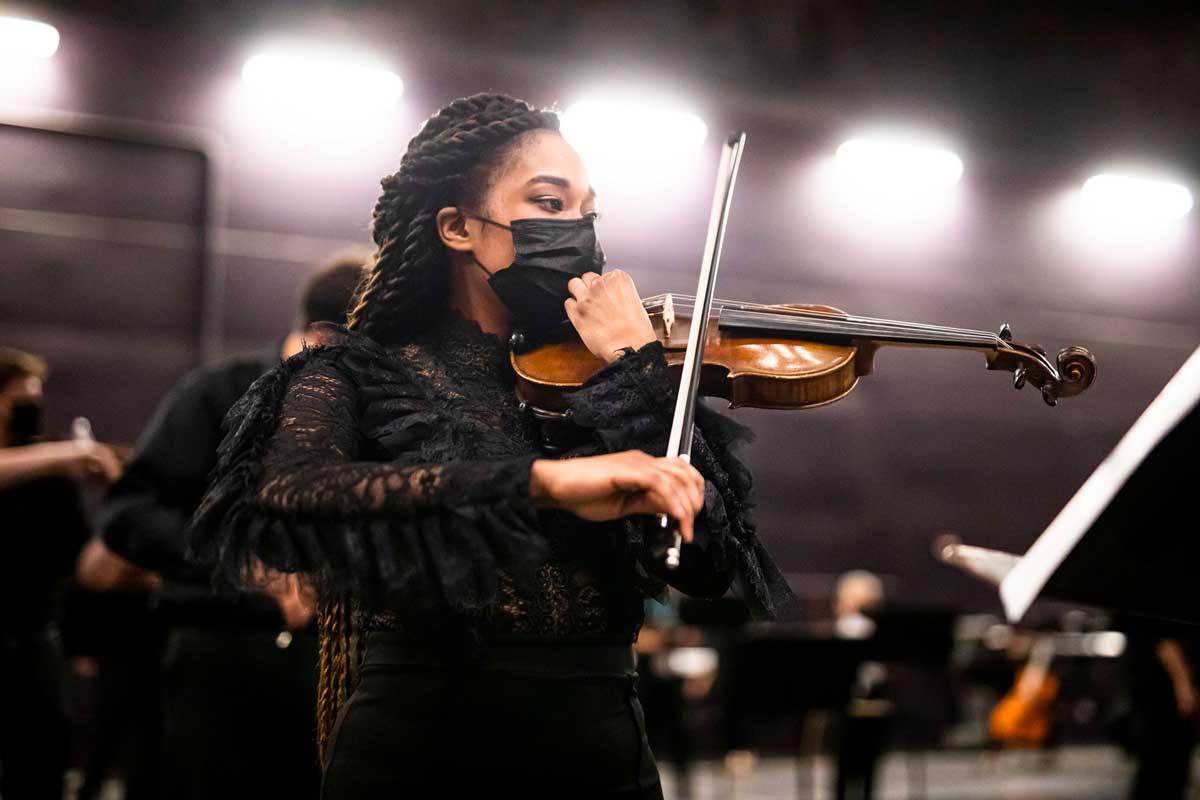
point(42, 528)
point(498, 591)
point(238, 670)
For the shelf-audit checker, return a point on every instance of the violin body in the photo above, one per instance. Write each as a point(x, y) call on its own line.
point(747, 370)
point(788, 356)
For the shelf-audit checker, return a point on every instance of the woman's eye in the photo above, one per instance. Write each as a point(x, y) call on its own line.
point(550, 203)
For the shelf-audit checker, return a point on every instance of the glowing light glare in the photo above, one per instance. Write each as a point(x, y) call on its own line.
point(692, 662)
point(22, 39)
point(890, 189)
point(892, 163)
point(618, 137)
point(329, 81)
point(1131, 219)
point(1124, 198)
point(1106, 644)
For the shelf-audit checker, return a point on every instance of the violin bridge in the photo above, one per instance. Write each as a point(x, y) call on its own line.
point(668, 315)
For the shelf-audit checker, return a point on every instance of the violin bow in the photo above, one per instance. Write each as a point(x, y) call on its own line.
point(684, 422)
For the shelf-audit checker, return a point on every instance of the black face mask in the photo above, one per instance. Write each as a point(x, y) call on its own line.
point(549, 253)
point(25, 424)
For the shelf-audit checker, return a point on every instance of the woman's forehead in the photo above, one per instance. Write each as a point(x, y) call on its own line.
point(546, 155)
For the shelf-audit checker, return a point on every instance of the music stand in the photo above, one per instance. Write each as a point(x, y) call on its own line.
point(1127, 540)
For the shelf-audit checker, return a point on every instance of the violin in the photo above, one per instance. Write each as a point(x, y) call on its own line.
point(788, 356)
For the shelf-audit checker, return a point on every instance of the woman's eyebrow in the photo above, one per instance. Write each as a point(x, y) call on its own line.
point(555, 180)
point(551, 179)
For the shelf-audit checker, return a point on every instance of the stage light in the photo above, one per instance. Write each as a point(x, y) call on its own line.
point(1132, 198)
point(328, 80)
point(626, 139)
point(613, 122)
point(889, 188)
point(1130, 218)
point(24, 39)
point(298, 94)
point(897, 164)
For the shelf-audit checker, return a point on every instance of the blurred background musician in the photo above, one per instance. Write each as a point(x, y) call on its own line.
point(44, 525)
point(238, 670)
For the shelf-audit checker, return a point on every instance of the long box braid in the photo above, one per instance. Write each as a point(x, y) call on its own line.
point(448, 163)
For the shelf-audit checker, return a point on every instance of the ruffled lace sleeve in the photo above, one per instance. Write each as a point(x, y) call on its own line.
point(295, 490)
point(629, 405)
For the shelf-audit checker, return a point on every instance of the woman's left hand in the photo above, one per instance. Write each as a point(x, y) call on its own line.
point(608, 314)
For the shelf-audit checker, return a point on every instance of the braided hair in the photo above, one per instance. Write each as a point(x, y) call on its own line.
point(449, 162)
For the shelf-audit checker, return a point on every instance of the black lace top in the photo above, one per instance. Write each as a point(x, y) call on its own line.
point(399, 477)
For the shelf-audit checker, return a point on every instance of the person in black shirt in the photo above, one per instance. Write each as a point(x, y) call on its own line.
point(44, 525)
point(498, 590)
point(238, 668)
point(1161, 663)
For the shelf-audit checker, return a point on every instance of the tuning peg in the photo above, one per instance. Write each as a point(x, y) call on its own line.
point(1019, 378)
point(1006, 332)
point(1048, 395)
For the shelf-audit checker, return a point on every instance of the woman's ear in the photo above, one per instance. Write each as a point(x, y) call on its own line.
point(452, 228)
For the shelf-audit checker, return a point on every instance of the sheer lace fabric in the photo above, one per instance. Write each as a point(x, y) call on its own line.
point(399, 477)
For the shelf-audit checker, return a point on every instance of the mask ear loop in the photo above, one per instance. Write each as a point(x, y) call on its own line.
point(468, 213)
point(481, 218)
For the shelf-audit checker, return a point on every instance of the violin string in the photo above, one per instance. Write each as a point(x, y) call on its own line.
point(890, 332)
point(896, 324)
point(834, 325)
point(884, 332)
point(808, 313)
point(932, 332)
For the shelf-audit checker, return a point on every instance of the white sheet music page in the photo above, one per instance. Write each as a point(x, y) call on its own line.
point(1022, 586)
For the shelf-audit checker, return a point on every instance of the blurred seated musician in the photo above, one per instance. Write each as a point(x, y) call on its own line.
point(860, 730)
point(857, 592)
point(501, 587)
point(44, 525)
point(238, 668)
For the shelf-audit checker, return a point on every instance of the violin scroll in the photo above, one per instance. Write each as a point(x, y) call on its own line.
point(1077, 366)
point(1072, 371)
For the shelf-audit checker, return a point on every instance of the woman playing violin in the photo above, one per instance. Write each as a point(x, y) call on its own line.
point(495, 590)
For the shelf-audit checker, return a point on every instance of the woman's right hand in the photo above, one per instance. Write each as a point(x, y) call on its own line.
point(617, 485)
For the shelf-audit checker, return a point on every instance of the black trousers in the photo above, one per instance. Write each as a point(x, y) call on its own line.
point(543, 720)
point(35, 736)
point(1164, 756)
point(240, 715)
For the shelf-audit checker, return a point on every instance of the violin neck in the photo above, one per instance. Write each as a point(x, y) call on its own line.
point(829, 327)
point(847, 329)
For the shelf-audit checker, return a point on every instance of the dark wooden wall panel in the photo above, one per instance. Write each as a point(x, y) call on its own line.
point(102, 269)
point(91, 174)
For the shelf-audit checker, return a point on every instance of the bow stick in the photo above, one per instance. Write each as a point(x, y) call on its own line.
point(680, 442)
